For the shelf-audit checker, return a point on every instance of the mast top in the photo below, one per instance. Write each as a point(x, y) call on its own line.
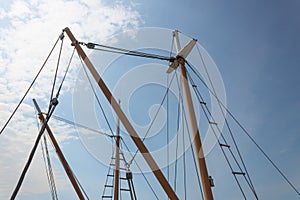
point(181, 53)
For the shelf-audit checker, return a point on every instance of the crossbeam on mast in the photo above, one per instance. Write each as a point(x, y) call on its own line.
point(134, 135)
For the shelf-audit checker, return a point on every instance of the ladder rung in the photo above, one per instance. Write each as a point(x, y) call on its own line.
point(115, 158)
point(108, 186)
point(110, 175)
point(238, 173)
point(224, 145)
point(202, 102)
point(121, 168)
point(194, 85)
point(214, 123)
point(125, 189)
point(123, 178)
point(107, 197)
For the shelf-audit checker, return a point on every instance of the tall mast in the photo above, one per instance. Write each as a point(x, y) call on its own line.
point(117, 162)
point(134, 136)
point(180, 60)
point(197, 141)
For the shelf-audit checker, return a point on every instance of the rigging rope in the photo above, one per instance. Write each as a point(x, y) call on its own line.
point(168, 134)
point(76, 179)
point(79, 125)
point(52, 105)
point(126, 52)
point(27, 91)
point(21, 179)
point(64, 77)
point(227, 124)
point(184, 155)
point(100, 105)
point(203, 106)
point(56, 97)
point(66, 72)
point(246, 132)
point(50, 183)
point(189, 134)
point(156, 114)
point(148, 183)
point(56, 70)
point(95, 94)
point(176, 152)
point(48, 167)
point(82, 189)
point(132, 53)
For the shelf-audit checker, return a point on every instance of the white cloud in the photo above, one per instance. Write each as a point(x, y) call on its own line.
point(2, 13)
point(26, 38)
point(19, 9)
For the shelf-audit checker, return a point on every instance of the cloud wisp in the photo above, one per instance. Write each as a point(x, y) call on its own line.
point(28, 31)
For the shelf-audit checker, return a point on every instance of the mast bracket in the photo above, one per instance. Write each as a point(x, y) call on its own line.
point(54, 102)
point(211, 181)
point(61, 37)
point(90, 45)
point(74, 43)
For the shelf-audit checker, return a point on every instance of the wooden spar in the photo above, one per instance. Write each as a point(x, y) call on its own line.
point(197, 140)
point(180, 58)
point(117, 163)
point(60, 154)
point(121, 115)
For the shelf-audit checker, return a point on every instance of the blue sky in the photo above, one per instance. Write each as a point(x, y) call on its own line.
point(255, 45)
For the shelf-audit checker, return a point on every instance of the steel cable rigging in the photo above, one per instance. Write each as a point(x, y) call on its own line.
point(185, 119)
point(155, 117)
point(138, 166)
point(227, 124)
point(56, 97)
point(118, 50)
point(53, 103)
point(48, 166)
point(100, 106)
point(207, 114)
point(30, 86)
point(244, 130)
point(80, 125)
point(168, 132)
point(110, 49)
point(113, 135)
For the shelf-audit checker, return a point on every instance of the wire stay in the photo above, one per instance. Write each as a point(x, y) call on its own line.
point(243, 129)
point(29, 88)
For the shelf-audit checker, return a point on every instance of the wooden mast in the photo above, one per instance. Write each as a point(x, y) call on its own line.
point(193, 123)
point(135, 137)
point(117, 163)
point(59, 153)
point(197, 141)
